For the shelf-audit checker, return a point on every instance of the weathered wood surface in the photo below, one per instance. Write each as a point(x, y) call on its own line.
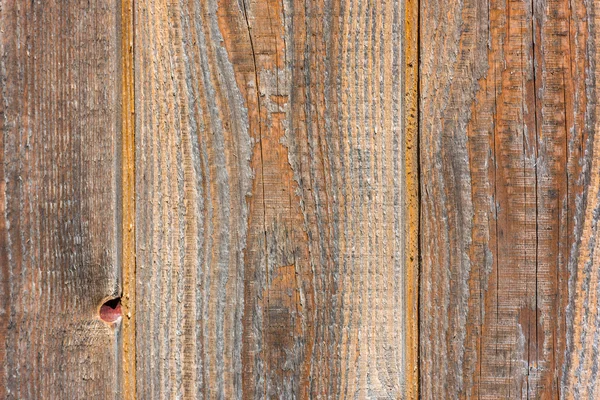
point(265, 227)
point(510, 183)
point(59, 96)
point(274, 162)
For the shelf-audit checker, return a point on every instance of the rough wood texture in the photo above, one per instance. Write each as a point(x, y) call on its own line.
point(510, 179)
point(273, 243)
point(59, 150)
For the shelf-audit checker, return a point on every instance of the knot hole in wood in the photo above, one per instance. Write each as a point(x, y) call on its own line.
point(110, 310)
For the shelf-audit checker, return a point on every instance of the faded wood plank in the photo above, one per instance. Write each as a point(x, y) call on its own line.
point(275, 254)
point(59, 109)
point(509, 197)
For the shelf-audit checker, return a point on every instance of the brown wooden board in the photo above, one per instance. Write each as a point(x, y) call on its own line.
point(509, 185)
point(59, 196)
point(275, 164)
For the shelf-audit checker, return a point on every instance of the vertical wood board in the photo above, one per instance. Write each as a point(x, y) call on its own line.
point(272, 190)
point(59, 219)
point(509, 184)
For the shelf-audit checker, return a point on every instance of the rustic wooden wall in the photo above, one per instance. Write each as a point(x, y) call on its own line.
point(244, 174)
point(59, 150)
point(275, 159)
point(510, 183)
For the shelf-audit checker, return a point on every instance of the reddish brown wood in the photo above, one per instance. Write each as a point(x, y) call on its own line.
point(509, 185)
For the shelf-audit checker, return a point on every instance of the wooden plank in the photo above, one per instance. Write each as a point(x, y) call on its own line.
point(276, 256)
point(58, 198)
point(509, 189)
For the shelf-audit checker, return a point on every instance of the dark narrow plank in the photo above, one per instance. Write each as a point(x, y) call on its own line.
point(58, 194)
point(275, 251)
point(509, 199)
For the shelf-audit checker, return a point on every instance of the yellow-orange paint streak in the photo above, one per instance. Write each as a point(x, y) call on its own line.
point(128, 201)
point(411, 171)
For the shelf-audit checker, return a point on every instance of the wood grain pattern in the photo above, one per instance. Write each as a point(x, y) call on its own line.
point(509, 180)
point(265, 215)
point(58, 198)
point(272, 139)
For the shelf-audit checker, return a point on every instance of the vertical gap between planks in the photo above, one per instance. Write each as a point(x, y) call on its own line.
point(128, 362)
point(411, 109)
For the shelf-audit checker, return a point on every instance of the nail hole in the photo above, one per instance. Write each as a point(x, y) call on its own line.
point(110, 311)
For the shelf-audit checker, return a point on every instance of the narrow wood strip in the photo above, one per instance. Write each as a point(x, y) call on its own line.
point(411, 204)
point(580, 377)
point(128, 201)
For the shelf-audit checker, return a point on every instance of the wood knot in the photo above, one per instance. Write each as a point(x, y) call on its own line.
point(110, 311)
